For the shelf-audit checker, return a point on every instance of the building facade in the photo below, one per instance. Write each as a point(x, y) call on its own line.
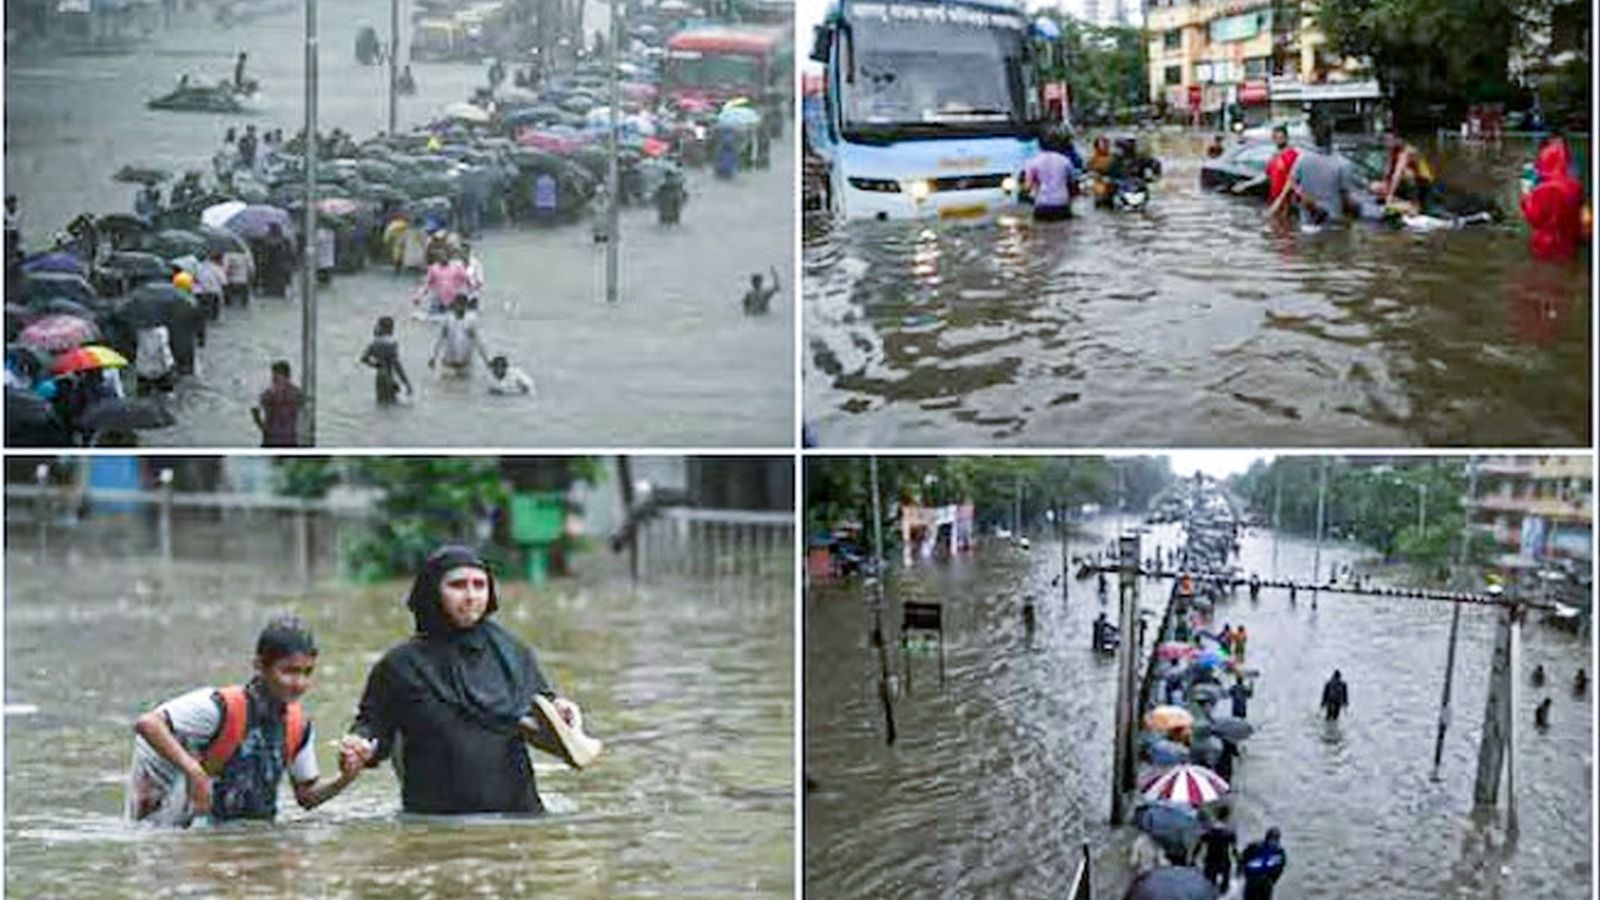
point(1247, 55)
point(1536, 507)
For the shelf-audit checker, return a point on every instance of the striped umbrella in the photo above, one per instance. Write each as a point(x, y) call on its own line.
point(1191, 785)
point(57, 333)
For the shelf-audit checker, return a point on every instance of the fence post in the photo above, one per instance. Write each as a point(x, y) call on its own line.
point(41, 477)
point(641, 543)
point(164, 523)
point(302, 540)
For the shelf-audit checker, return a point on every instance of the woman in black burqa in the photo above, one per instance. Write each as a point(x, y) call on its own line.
point(447, 701)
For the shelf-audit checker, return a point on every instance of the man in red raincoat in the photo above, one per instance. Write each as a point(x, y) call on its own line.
point(1555, 207)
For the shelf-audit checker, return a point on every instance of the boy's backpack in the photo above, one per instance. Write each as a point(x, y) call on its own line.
point(230, 734)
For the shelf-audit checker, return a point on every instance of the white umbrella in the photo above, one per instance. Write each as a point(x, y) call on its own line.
point(466, 112)
point(218, 216)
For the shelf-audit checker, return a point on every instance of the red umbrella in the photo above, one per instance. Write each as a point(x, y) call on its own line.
point(57, 333)
point(1189, 785)
point(92, 356)
point(1176, 650)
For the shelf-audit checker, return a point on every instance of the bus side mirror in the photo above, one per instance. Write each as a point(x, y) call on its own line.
point(821, 37)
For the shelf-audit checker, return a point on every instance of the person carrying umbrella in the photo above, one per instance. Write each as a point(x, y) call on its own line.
point(277, 262)
point(1335, 696)
point(1218, 850)
point(1239, 692)
point(1262, 864)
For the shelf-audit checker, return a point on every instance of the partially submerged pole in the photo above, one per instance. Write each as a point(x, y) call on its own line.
point(1496, 719)
point(1316, 554)
point(613, 181)
point(884, 694)
point(1455, 625)
point(394, 64)
point(308, 262)
point(1128, 667)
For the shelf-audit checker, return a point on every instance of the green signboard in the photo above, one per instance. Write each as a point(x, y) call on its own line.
point(1241, 27)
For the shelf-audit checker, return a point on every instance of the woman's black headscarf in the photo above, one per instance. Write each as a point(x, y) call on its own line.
point(466, 665)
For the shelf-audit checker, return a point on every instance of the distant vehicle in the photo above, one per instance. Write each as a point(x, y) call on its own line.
point(222, 97)
point(713, 64)
point(1243, 162)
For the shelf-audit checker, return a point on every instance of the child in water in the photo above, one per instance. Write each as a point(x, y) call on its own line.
point(508, 380)
point(383, 354)
point(221, 752)
point(759, 298)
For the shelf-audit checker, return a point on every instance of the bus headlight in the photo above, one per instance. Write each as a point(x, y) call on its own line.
point(919, 190)
point(1009, 185)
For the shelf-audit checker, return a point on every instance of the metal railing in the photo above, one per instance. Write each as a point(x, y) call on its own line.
point(716, 543)
point(170, 525)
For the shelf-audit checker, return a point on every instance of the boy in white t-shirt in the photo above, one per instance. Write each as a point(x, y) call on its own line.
point(222, 752)
point(507, 379)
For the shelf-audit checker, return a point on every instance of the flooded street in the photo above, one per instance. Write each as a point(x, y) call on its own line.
point(997, 779)
point(673, 363)
point(1195, 323)
point(692, 695)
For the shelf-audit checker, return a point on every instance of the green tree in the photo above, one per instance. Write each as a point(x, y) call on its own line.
point(1104, 66)
point(1433, 58)
point(427, 501)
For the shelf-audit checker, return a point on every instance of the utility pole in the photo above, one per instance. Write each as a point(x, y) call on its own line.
point(1316, 555)
point(1128, 674)
point(394, 64)
point(884, 694)
point(1277, 521)
point(613, 181)
point(1066, 554)
point(1422, 510)
point(1455, 623)
point(308, 262)
point(1497, 718)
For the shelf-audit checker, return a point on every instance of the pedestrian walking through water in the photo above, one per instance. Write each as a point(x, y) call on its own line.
point(1262, 864)
point(1335, 696)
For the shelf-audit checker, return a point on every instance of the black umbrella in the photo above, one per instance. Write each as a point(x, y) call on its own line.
point(61, 306)
point(145, 175)
point(173, 243)
point(221, 240)
point(1230, 729)
point(1171, 883)
point(1172, 826)
point(123, 227)
point(30, 421)
point(40, 286)
point(154, 304)
point(124, 414)
point(135, 268)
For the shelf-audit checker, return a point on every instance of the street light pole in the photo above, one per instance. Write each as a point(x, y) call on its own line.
point(613, 231)
point(308, 263)
point(394, 64)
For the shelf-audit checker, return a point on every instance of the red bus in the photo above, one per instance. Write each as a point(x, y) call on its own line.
point(716, 63)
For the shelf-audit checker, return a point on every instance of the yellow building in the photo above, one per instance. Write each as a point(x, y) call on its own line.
point(1556, 492)
point(1249, 52)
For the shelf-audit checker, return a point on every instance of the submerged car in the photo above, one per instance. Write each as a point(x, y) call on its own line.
point(1245, 162)
point(222, 97)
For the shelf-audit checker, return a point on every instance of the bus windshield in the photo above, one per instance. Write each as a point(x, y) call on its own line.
point(932, 76)
point(709, 71)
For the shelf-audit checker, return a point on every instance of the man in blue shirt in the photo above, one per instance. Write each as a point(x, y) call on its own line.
point(1262, 864)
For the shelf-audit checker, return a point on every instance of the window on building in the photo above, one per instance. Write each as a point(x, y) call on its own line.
point(1174, 74)
point(1174, 39)
point(1257, 68)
